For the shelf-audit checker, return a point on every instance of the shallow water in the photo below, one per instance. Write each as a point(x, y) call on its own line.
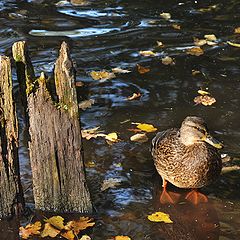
point(108, 34)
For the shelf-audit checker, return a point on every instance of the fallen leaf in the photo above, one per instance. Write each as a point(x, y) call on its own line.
point(122, 238)
point(211, 43)
point(85, 237)
point(139, 137)
point(119, 70)
point(160, 217)
point(79, 225)
point(233, 44)
point(196, 51)
point(205, 100)
point(146, 127)
point(56, 221)
point(134, 96)
point(147, 53)
point(110, 183)
point(176, 26)
point(135, 130)
point(165, 15)
point(30, 229)
point(49, 231)
point(210, 37)
point(168, 61)
point(202, 92)
point(86, 104)
point(142, 69)
point(112, 137)
point(92, 133)
point(209, 8)
point(195, 72)
point(228, 169)
point(102, 75)
point(79, 84)
point(237, 30)
point(68, 235)
point(79, 2)
point(200, 42)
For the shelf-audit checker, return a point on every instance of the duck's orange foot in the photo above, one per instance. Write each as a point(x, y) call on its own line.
point(169, 197)
point(196, 197)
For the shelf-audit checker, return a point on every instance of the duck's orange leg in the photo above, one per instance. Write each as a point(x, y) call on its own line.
point(196, 197)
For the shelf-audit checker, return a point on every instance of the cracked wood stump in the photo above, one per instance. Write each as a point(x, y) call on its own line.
point(55, 146)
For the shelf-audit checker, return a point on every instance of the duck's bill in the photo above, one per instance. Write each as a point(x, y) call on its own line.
point(212, 141)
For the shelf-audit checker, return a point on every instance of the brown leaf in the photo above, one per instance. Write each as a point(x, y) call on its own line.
point(196, 51)
point(237, 30)
point(176, 26)
point(79, 84)
point(110, 183)
point(86, 104)
point(205, 100)
point(102, 75)
point(134, 96)
point(49, 231)
point(30, 229)
point(142, 69)
point(168, 61)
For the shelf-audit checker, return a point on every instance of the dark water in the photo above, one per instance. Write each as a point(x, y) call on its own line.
point(108, 34)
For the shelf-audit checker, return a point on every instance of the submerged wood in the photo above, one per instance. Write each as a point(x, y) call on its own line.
point(11, 196)
point(55, 146)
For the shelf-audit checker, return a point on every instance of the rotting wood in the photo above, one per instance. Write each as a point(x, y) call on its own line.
point(11, 196)
point(55, 146)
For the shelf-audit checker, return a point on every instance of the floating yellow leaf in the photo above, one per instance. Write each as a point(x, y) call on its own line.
point(160, 217)
point(165, 15)
point(112, 137)
point(49, 231)
point(110, 183)
point(200, 42)
point(237, 30)
point(202, 92)
point(210, 37)
point(142, 69)
point(176, 26)
point(196, 51)
point(68, 235)
point(147, 53)
point(102, 75)
point(92, 133)
point(56, 221)
point(134, 96)
point(119, 70)
point(205, 100)
point(168, 61)
point(122, 238)
point(234, 44)
point(146, 127)
point(30, 229)
point(139, 137)
point(79, 225)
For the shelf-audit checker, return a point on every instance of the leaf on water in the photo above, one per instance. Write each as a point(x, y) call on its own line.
point(237, 30)
point(160, 217)
point(147, 53)
point(56, 221)
point(210, 37)
point(86, 104)
point(139, 137)
point(119, 70)
point(195, 72)
point(30, 229)
point(146, 127)
point(110, 183)
point(200, 42)
point(92, 133)
point(134, 96)
point(112, 137)
point(205, 100)
point(202, 92)
point(122, 238)
point(85, 237)
point(68, 235)
point(142, 69)
point(233, 44)
point(176, 26)
point(79, 84)
point(165, 15)
point(102, 75)
point(168, 61)
point(210, 43)
point(79, 225)
point(49, 231)
point(209, 8)
point(160, 44)
point(196, 51)
point(79, 2)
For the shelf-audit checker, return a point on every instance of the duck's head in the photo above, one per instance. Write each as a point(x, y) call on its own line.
point(194, 130)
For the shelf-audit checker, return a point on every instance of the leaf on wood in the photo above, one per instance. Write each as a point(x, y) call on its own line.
point(112, 137)
point(68, 235)
point(160, 217)
point(165, 15)
point(176, 26)
point(146, 127)
point(85, 237)
point(142, 69)
point(203, 92)
point(49, 231)
point(119, 70)
point(196, 51)
point(110, 183)
point(102, 75)
point(168, 61)
point(30, 229)
point(233, 44)
point(86, 104)
point(195, 72)
point(56, 221)
point(139, 137)
point(200, 42)
point(210, 37)
point(205, 100)
point(79, 225)
point(147, 53)
point(122, 238)
point(160, 44)
point(237, 30)
point(92, 133)
point(134, 96)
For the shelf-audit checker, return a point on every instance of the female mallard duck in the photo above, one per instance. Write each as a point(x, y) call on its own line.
point(187, 157)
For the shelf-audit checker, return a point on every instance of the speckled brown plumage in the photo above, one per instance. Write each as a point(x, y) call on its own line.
point(185, 166)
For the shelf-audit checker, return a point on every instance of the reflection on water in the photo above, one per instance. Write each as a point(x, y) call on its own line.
point(108, 34)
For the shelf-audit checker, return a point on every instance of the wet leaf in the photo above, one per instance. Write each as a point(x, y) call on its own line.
point(200, 42)
point(49, 231)
point(168, 61)
point(79, 2)
point(79, 225)
point(139, 137)
point(146, 127)
point(92, 133)
point(86, 104)
point(209, 8)
point(160, 217)
point(79, 84)
point(160, 44)
point(30, 230)
point(110, 183)
point(119, 70)
point(233, 44)
point(205, 100)
point(68, 235)
point(112, 137)
point(210, 37)
point(196, 51)
point(176, 26)
point(122, 238)
point(56, 221)
point(165, 15)
point(85, 237)
point(202, 92)
point(237, 30)
point(102, 75)
point(134, 96)
point(142, 69)
point(147, 53)
point(210, 43)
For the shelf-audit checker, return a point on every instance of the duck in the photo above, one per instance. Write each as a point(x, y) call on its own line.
point(187, 157)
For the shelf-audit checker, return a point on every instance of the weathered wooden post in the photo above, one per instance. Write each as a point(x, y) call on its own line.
point(11, 196)
point(55, 146)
